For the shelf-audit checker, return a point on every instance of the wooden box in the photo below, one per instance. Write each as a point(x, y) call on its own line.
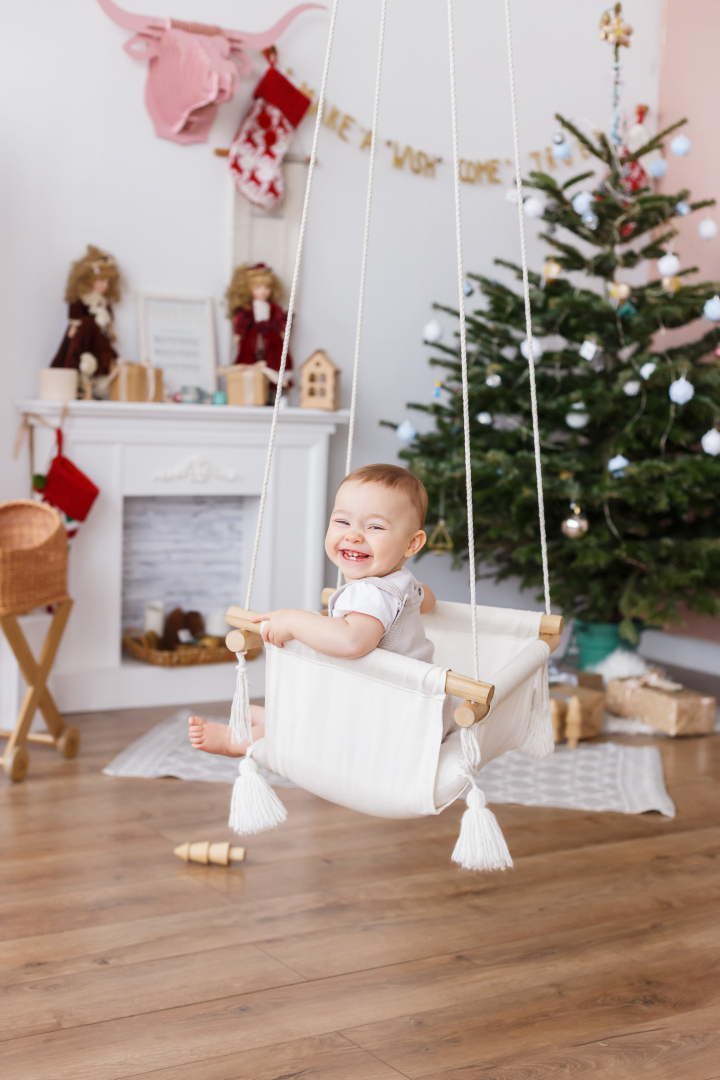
point(134, 382)
point(246, 384)
point(592, 708)
point(674, 712)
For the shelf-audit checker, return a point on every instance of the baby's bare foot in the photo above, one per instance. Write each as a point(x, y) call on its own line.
point(214, 738)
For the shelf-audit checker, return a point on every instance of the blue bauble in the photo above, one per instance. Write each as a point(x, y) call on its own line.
point(711, 310)
point(682, 209)
point(560, 151)
point(680, 146)
point(406, 432)
point(658, 168)
point(582, 202)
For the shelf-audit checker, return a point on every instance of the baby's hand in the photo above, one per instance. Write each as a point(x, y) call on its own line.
point(278, 626)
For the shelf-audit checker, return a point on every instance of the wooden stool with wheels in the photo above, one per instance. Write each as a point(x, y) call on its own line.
point(33, 565)
point(37, 696)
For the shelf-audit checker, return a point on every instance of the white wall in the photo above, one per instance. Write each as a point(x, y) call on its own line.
point(81, 164)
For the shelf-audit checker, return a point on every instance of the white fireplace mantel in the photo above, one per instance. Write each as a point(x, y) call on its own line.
point(131, 449)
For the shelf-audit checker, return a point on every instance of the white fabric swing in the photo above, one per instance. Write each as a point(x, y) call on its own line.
point(368, 733)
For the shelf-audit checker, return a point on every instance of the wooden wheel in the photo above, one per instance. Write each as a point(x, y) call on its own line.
point(16, 763)
point(69, 742)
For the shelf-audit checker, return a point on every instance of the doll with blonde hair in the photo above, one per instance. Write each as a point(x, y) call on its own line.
point(93, 285)
point(258, 320)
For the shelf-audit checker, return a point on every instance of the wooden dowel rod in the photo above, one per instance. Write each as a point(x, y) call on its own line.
point(461, 686)
point(552, 624)
point(243, 641)
point(325, 596)
point(470, 713)
point(32, 736)
point(241, 619)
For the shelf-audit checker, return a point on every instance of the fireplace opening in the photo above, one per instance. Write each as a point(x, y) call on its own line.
point(186, 551)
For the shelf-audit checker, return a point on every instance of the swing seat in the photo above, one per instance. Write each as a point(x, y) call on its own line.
point(368, 733)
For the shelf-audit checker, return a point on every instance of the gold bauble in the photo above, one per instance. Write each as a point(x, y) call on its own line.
point(671, 284)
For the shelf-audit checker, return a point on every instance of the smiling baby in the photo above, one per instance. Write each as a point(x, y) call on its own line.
point(376, 524)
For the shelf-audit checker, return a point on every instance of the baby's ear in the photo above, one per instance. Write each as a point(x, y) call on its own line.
point(417, 543)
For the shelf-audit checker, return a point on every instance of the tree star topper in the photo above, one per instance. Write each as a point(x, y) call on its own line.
point(614, 29)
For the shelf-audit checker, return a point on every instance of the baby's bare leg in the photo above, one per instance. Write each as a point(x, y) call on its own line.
point(218, 738)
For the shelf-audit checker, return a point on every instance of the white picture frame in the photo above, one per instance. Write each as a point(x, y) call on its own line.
point(177, 334)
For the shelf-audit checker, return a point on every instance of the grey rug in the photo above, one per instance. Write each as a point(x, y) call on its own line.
point(601, 777)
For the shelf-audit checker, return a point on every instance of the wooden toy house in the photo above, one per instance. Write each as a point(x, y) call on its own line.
point(319, 382)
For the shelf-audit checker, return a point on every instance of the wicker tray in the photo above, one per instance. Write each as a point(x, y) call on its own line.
point(183, 656)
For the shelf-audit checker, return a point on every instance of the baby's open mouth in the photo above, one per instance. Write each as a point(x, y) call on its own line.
point(354, 556)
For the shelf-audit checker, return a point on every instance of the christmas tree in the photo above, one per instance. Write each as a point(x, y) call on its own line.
point(627, 426)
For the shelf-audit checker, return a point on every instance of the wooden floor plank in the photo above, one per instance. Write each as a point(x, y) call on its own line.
point(350, 948)
point(323, 1057)
point(674, 1048)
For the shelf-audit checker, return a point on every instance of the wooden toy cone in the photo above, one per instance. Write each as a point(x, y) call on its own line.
point(221, 854)
point(573, 723)
point(557, 715)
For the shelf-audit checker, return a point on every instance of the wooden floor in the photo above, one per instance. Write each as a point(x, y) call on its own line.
point(349, 948)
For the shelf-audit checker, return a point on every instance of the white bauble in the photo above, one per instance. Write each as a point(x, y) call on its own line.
point(648, 369)
point(534, 207)
point(711, 442)
point(537, 346)
point(560, 151)
point(680, 146)
point(406, 432)
point(707, 229)
point(484, 418)
point(681, 391)
point(511, 194)
point(658, 168)
point(617, 465)
point(711, 310)
point(669, 265)
point(631, 388)
point(582, 202)
point(588, 349)
point(577, 417)
point(432, 332)
point(493, 381)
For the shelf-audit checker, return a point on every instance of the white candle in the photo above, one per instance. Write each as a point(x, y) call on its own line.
point(215, 624)
point(154, 617)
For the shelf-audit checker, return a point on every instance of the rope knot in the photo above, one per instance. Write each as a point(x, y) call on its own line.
point(476, 798)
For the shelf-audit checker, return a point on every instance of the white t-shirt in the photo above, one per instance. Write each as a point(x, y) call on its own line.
point(365, 598)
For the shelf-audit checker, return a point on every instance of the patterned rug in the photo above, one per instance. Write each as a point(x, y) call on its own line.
point(600, 777)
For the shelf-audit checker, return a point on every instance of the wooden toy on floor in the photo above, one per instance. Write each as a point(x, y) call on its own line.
point(221, 853)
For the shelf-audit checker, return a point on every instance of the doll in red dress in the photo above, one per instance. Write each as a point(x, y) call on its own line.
point(93, 285)
point(258, 320)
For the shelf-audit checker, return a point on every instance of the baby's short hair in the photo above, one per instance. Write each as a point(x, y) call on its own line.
point(397, 479)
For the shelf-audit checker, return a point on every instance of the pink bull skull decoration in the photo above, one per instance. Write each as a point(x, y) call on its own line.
point(192, 67)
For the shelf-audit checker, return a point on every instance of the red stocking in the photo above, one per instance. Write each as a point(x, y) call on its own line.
point(263, 138)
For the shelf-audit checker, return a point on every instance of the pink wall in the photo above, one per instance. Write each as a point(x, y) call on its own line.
point(690, 87)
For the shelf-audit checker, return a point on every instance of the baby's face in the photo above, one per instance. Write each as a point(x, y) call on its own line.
point(372, 530)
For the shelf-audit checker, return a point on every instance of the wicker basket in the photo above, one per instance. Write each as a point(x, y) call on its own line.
point(183, 656)
point(33, 557)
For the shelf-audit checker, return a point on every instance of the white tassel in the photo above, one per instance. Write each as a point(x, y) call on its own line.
point(254, 807)
point(240, 722)
point(538, 742)
point(481, 844)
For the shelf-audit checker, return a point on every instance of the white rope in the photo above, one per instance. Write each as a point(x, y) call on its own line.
point(366, 238)
point(291, 304)
point(528, 315)
point(366, 241)
point(463, 344)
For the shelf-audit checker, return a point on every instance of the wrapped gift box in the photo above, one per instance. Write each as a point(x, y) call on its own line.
point(247, 384)
point(674, 712)
point(592, 707)
point(136, 382)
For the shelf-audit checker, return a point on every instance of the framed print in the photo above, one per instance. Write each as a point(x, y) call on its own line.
point(177, 334)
